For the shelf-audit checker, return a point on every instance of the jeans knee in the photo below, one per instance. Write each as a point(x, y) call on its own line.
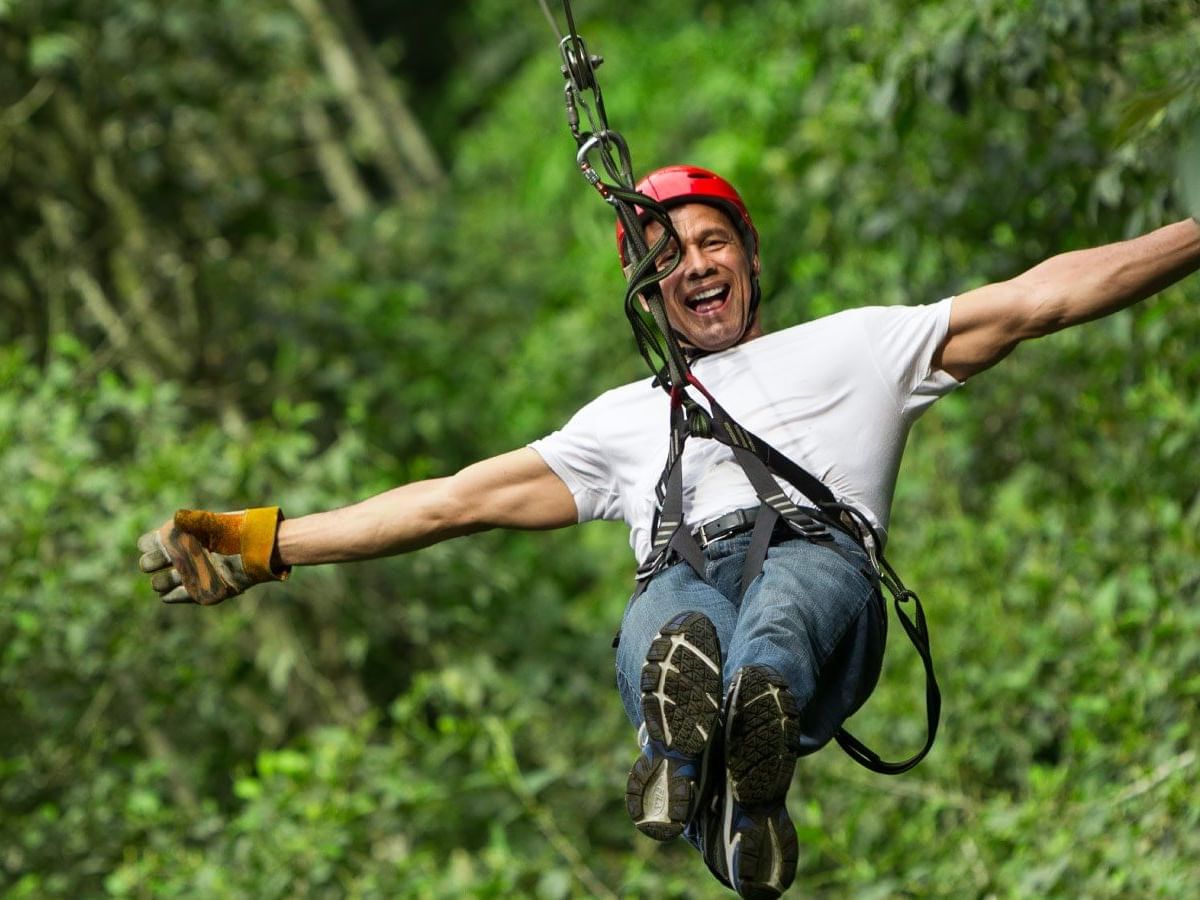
point(630, 698)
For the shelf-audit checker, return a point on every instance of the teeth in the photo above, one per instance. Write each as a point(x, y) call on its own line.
point(707, 295)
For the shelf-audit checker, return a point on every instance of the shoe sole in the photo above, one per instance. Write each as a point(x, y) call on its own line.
point(760, 733)
point(681, 705)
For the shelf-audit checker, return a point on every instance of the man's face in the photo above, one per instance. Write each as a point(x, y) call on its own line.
point(708, 295)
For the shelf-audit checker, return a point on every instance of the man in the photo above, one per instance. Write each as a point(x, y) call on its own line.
point(726, 683)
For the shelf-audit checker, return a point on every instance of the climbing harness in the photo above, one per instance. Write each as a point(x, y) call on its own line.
point(646, 267)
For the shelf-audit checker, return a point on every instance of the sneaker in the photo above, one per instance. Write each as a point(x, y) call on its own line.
point(745, 834)
point(681, 706)
point(704, 831)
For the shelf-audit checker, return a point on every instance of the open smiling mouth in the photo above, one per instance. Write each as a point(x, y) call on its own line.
point(708, 301)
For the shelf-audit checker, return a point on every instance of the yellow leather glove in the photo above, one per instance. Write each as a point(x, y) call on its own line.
point(206, 557)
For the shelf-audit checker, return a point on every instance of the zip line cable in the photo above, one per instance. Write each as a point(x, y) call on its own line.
point(550, 18)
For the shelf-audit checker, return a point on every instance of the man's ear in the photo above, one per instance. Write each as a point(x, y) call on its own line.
point(755, 265)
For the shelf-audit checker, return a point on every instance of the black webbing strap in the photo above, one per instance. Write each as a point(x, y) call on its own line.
point(918, 633)
point(668, 532)
point(760, 543)
point(731, 434)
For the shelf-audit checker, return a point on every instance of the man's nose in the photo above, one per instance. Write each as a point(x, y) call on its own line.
point(695, 263)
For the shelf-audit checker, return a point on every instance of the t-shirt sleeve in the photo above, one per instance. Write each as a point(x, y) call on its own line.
point(574, 454)
point(903, 341)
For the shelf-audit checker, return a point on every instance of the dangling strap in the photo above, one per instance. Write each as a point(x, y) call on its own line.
point(918, 633)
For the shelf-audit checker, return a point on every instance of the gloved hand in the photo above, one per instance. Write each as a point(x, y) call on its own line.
point(206, 557)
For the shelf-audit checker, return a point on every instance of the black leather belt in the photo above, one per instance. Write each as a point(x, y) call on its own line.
point(736, 522)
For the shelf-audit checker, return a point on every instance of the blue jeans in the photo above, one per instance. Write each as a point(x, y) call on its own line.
point(812, 614)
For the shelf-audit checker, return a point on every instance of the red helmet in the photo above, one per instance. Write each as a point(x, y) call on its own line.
point(674, 185)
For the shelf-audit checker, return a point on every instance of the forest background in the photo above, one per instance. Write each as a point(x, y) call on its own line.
point(299, 251)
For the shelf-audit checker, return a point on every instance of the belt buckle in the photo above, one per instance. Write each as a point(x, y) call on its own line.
point(739, 519)
point(706, 538)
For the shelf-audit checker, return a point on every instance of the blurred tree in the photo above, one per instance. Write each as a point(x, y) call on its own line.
point(233, 270)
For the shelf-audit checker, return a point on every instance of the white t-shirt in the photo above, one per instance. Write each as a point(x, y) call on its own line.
point(836, 395)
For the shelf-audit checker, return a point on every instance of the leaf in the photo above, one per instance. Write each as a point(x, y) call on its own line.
point(1140, 111)
point(50, 51)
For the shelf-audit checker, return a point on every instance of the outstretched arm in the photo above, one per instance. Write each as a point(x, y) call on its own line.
point(987, 323)
point(205, 557)
point(513, 490)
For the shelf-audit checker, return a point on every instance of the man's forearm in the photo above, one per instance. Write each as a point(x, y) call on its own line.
point(405, 518)
point(1082, 285)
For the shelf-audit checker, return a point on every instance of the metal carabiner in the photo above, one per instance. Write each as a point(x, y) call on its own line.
point(619, 169)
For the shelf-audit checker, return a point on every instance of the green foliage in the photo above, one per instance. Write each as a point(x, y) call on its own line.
point(1189, 171)
point(235, 272)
